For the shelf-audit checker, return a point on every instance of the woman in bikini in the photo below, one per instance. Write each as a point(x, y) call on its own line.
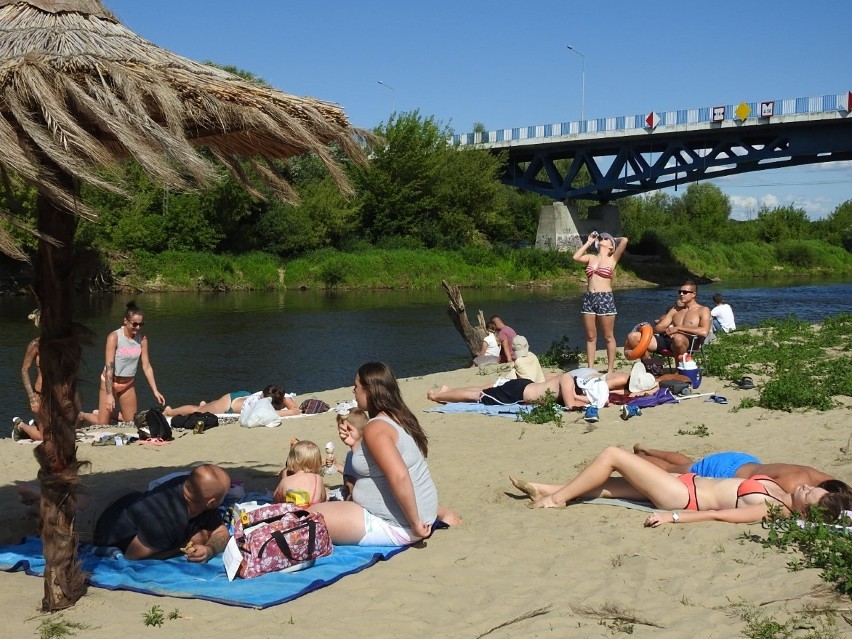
point(125, 348)
point(598, 302)
point(692, 498)
point(233, 403)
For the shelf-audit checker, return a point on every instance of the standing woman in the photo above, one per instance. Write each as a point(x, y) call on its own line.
point(394, 502)
point(125, 347)
point(598, 301)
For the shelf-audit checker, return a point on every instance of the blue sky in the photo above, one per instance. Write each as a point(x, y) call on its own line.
point(506, 64)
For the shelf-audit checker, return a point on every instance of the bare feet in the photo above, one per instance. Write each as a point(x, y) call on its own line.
point(448, 516)
point(528, 488)
point(430, 394)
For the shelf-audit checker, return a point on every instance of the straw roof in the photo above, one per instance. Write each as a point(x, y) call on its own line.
point(79, 92)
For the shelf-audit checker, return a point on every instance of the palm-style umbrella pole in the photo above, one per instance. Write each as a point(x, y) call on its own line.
point(79, 92)
point(59, 359)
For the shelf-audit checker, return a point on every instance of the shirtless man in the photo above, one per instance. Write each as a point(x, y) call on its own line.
point(742, 465)
point(681, 329)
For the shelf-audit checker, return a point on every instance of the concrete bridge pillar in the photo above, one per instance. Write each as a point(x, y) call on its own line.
point(560, 227)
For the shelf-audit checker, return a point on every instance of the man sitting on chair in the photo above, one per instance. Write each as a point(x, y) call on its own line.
point(682, 329)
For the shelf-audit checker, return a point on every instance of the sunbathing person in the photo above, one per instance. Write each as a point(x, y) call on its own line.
point(742, 465)
point(693, 498)
point(234, 402)
point(565, 387)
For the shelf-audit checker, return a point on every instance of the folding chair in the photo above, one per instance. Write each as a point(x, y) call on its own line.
point(697, 353)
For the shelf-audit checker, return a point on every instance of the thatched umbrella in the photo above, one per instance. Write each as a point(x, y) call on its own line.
point(80, 92)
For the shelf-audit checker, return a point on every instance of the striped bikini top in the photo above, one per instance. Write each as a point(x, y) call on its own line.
point(602, 271)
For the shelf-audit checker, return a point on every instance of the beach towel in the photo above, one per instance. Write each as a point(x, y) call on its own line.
point(502, 410)
point(179, 578)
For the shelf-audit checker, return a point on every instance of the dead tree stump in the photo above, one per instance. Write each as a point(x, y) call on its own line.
point(473, 336)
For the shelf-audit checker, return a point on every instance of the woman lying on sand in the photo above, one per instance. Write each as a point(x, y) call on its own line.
point(737, 501)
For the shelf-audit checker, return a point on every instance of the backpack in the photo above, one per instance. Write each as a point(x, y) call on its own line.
point(152, 424)
point(197, 421)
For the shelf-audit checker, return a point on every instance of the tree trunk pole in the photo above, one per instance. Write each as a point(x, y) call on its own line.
point(59, 359)
point(472, 336)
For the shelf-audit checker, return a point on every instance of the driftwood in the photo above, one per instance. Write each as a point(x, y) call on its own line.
point(473, 336)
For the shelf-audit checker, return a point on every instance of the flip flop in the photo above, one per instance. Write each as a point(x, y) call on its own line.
point(717, 399)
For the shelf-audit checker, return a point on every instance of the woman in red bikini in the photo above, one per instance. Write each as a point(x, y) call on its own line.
point(691, 497)
point(598, 301)
point(125, 348)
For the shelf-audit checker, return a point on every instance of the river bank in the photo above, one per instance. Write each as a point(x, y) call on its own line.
point(582, 571)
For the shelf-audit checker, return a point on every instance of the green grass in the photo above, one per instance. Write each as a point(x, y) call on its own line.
point(807, 365)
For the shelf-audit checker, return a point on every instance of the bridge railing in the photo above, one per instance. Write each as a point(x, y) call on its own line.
point(716, 114)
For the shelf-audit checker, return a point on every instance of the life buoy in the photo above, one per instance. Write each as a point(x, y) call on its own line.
point(647, 332)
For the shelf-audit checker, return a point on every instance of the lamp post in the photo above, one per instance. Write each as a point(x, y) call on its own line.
point(387, 86)
point(582, 86)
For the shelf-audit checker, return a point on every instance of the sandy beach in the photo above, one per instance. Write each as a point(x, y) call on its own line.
point(507, 571)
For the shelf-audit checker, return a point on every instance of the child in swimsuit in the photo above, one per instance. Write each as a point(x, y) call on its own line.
point(349, 428)
point(301, 482)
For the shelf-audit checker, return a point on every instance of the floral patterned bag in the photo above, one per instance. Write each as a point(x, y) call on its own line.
point(279, 537)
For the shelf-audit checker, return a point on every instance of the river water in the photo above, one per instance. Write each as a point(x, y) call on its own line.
point(204, 345)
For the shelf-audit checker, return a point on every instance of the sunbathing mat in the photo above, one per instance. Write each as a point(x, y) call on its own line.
point(504, 410)
point(178, 578)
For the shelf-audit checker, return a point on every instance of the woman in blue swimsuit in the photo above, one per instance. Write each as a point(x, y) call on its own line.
point(693, 498)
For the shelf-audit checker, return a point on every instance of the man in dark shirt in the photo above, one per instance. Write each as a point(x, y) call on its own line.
point(180, 515)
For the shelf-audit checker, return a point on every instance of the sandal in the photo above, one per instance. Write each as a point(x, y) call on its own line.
point(717, 399)
point(745, 383)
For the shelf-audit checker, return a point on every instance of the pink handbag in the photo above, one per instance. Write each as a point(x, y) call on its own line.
point(280, 537)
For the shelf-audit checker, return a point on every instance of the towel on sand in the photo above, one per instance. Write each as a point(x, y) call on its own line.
point(176, 577)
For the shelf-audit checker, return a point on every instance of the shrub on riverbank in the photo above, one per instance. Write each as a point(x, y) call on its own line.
point(716, 260)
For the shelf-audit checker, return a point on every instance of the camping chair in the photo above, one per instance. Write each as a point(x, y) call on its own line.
point(697, 352)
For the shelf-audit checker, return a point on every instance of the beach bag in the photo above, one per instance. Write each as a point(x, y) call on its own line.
point(676, 386)
point(260, 413)
point(279, 537)
point(152, 424)
point(197, 421)
point(314, 406)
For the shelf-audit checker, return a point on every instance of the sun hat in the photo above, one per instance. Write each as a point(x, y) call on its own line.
point(640, 379)
point(520, 346)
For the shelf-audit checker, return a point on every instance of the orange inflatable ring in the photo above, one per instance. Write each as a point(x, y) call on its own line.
point(645, 338)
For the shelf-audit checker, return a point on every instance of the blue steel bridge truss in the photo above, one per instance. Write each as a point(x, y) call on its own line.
point(636, 164)
point(626, 155)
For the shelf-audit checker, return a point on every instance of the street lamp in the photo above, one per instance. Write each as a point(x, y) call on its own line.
point(582, 86)
point(387, 86)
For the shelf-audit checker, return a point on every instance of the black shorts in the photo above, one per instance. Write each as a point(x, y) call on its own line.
point(664, 342)
point(512, 392)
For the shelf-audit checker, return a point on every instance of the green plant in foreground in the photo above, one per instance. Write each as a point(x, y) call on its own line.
point(700, 431)
point(821, 545)
point(154, 617)
point(545, 410)
point(174, 614)
point(57, 627)
point(760, 625)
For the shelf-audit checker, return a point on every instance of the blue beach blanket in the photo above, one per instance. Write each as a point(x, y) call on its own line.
point(504, 410)
point(178, 578)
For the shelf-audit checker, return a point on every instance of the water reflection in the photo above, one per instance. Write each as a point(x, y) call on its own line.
point(206, 344)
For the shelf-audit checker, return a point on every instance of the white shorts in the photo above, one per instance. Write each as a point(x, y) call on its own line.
point(378, 532)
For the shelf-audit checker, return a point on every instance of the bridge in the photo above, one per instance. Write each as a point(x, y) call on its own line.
point(626, 155)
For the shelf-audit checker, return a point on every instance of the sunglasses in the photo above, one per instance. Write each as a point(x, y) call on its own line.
point(682, 292)
point(137, 324)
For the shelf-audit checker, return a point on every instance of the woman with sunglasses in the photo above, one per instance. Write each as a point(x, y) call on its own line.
point(125, 347)
point(598, 302)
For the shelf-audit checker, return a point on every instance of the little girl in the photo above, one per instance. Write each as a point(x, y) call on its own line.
point(301, 482)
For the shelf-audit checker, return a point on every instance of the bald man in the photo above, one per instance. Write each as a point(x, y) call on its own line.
point(179, 515)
